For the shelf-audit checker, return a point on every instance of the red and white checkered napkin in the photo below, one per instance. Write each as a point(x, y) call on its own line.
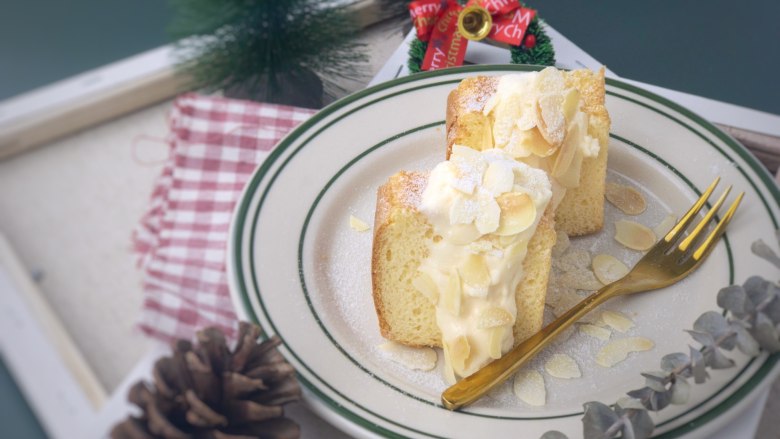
point(181, 242)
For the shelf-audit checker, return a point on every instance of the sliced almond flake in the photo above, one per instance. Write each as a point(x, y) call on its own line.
point(528, 386)
point(573, 258)
point(518, 212)
point(475, 275)
point(562, 366)
point(617, 321)
point(634, 235)
point(570, 177)
point(496, 341)
point(498, 178)
point(409, 357)
point(488, 214)
point(580, 279)
point(481, 246)
point(565, 302)
point(595, 331)
point(562, 243)
point(571, 103)
point(448, 372)
point(564, 158)
point(460, 350)
point(550, 80)
point(550, 118)
point(463, 210)
point(494, 316)
point(665, 226)
point(617, 350)
point(629, 200)
point(533, 141)
point(608, 268)
point(450, 299)
point(357, 224)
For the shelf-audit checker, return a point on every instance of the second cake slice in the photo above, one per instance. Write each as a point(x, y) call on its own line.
point(552, 120)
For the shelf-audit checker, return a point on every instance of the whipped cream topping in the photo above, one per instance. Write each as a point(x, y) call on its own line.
point(484, 207)
point(537, 119)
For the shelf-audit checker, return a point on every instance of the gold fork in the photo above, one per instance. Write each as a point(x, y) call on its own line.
point(667, 262)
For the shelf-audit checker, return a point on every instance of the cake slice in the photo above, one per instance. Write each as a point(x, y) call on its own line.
point(404, 239)
point(483, 111)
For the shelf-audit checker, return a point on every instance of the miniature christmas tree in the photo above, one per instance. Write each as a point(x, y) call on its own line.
point(265, 49)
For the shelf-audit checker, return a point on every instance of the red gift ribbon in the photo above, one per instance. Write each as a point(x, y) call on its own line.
point(436, 22)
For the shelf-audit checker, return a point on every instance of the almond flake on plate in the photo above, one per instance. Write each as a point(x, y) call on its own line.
point(617, 321)
point(562, 366)
point(412, 358)
point(617, 350)
point(608, 268)
point(595, 331)
point(357, 224)
point(629, 200)
point(634, 235)
point(580, 279)
point(528, 386)
point(665, 226)
point(572, 259)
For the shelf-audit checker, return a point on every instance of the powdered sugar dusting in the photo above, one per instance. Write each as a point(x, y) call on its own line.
point(341, 295)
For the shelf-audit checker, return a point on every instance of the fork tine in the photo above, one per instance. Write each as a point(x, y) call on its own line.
point(688, 217)
point(703, 223)
point(706, 247)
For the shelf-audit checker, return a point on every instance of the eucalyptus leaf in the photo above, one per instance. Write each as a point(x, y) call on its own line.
point(757, 289)
point(715, 359)
point(772, 309)
point(681, 390)
point(641, 422)
point(554, 434)
point(717, 326)
point(745, 341)
point(765, 333)
point(626, 429)
point(660, 400)
point(704, 338)
point(642, 395)
point(761, 249)
point(651, 399)
point(733, 298)
point(677, 362)
point(754, 324)
point(626, 402)
point(598, 418)
point(698, 366)
point(656, 380)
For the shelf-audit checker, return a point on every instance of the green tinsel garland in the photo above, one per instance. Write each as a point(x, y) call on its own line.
point(541, 54)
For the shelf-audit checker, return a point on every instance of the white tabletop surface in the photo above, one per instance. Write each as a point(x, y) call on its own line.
point(69, 209)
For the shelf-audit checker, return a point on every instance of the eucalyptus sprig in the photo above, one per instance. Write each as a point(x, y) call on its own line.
point(750, 322)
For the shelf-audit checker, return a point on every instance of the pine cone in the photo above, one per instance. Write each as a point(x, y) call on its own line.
point(208, 392)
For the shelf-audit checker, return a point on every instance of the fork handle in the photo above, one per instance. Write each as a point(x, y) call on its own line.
point(474, 386)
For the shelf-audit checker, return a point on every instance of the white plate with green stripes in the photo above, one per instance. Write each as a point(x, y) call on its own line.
point(300, 272)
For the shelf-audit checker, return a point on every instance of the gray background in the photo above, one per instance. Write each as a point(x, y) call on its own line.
point(720, 49)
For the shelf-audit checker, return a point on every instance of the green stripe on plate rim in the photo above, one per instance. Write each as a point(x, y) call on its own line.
point(360, 366)
point(242, 211)
point(334, 178)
